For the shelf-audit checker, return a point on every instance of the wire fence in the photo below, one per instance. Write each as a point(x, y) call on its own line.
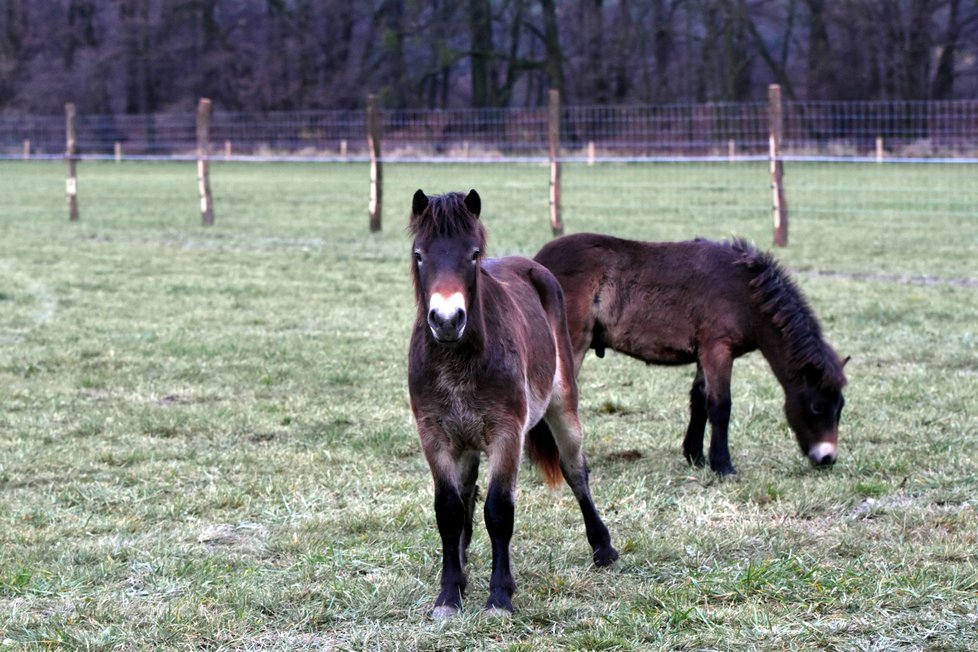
point(814, 130)
point(886, 165)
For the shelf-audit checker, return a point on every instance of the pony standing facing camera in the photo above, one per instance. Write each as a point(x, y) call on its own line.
point(489, 358)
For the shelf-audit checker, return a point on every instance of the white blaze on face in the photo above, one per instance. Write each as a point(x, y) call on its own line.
point(821, 451)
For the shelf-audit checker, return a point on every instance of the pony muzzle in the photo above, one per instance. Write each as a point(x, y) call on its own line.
point(447, 316)
point(824, 453)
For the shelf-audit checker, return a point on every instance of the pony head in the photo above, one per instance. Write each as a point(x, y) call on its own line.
point(813, 408)
point(449, 240)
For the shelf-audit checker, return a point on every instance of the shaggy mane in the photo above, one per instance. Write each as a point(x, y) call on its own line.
point(776, 295)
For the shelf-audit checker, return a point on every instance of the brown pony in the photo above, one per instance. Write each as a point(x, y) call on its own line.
point(489, 357)
point(707, 303)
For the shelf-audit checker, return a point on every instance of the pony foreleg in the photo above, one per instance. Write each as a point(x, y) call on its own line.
point(505, 450)
point(450, 514)
point(693, 442)
point(499, 513)
point(719, 411)
point(717, 365)
point(470, 473)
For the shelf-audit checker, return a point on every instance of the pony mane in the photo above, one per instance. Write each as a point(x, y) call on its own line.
point(776, 295)
point(447, 216)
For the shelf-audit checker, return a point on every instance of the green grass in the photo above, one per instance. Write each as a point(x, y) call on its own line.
point(205, 440)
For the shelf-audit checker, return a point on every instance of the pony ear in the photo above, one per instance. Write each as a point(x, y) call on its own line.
point(420, 202)
point(473, 202)
point(846, 360)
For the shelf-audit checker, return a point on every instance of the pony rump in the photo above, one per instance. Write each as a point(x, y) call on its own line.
point(777, 296)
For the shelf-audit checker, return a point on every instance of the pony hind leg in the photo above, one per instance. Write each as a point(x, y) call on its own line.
point(566, 429)
point(693, 441)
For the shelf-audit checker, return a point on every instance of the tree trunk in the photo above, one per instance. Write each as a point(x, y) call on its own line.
point(821, 76)
point(551, 43)
point(481, 48)
point(942, 87)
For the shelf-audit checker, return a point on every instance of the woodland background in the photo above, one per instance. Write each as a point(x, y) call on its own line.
point(146, 56)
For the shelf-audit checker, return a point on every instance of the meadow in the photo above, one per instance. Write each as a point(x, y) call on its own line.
point(205, 439)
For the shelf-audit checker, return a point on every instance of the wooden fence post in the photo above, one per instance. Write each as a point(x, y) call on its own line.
point(27, 149)
point(776, 122)
point(118, 151)
point(376, 173)
point(879, 149)
point(203, 164)
point(556, 224)
point(71, 150)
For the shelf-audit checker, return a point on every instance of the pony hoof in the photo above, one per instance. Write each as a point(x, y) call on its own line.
point(497, 612)
point(444, 611)
point(605, 556)
point(699, 461)
point(722, 469)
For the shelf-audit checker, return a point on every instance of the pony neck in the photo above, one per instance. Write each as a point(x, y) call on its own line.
point(774, 346)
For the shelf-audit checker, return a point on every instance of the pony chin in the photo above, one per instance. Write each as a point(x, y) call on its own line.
point(447, 337)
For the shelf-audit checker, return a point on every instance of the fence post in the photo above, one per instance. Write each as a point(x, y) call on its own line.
point(590, 152)
point(227, 150)
point(776, 122)
point(118, 151)
point(879, 149)
point(376, 176)
point(556, 224)
point(71, 149)
point(203, 164)
point(27, 149)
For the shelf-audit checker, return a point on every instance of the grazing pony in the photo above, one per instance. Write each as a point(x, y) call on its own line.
point(489, 357)
point(707, 303)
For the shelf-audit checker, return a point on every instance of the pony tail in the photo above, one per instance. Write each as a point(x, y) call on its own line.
point(543, 452)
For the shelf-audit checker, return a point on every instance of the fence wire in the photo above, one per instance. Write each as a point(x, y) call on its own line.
point(820, 130)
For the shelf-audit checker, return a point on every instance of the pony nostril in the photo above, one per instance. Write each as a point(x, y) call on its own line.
point(822, 454)
point(826, 461)
point(447, 323)
point(446, 314)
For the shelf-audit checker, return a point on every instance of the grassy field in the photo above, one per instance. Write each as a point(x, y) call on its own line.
point(205, 441)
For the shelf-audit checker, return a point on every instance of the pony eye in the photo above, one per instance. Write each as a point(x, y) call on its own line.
point(476, 254)
point(417, 256)
point(817, 408)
